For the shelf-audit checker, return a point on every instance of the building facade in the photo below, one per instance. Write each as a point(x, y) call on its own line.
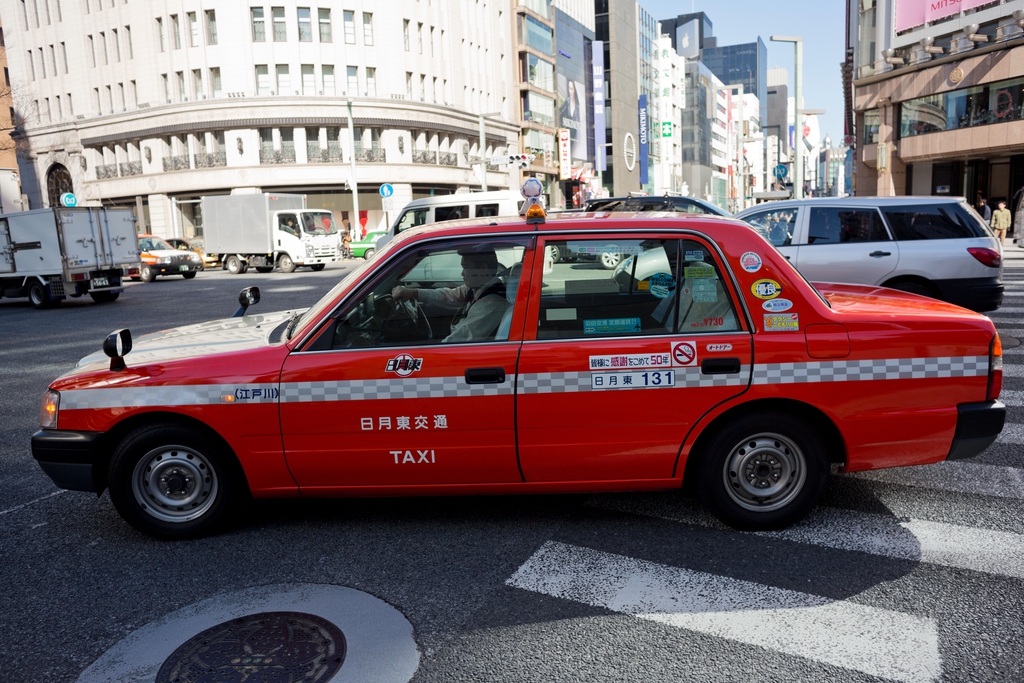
point(152, 105)
point(617, 26)
point(745, 64)
point(937, 98)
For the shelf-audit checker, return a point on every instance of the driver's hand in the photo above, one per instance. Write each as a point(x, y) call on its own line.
point(402, 294)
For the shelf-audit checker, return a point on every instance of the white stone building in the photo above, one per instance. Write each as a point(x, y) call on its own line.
point(154, 104)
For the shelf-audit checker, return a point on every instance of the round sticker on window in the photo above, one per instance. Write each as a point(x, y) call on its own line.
point(766, 289)
point(750, 262)
point(662, 284)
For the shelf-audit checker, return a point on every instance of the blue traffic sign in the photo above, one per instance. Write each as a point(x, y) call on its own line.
point(780, 171)
point(69, 200)
point(386, 190)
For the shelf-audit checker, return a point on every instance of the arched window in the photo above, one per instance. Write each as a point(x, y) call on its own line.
point(58, 181)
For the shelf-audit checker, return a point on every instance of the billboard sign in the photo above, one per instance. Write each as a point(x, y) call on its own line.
point(642, 109)
point(911, 13)
point(688, 40)
point(599, 138)
point(564, 154)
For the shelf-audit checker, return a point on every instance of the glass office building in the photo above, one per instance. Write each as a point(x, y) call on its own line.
point(745, 64)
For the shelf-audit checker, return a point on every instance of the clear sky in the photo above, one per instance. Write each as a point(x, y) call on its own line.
point(821, 23)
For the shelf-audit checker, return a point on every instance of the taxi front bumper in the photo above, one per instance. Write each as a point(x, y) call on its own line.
point(977, 426)
point(68, 458)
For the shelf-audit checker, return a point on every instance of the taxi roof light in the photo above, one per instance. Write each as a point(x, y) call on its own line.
point(535, 214)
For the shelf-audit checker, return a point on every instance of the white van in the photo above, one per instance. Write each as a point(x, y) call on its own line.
point(451, 207)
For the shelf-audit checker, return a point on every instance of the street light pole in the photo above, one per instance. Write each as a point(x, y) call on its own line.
point(352, 173)
point(798, 161)
point(483, 148)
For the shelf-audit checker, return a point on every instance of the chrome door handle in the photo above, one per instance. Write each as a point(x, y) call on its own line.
point(878, 254)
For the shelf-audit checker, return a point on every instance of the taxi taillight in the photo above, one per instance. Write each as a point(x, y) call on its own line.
point(995, 369)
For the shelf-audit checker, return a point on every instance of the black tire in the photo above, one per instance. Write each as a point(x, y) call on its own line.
point(368, 253)
point(264, 269)
point(233, 265)
point(317, 267)
point(38, 295)
point(775, 454)
point(286, 264)
point(553, 252)
point(147, 274)
point(189, 275)
point(912, 287)
point(104, 297)
point(203, 482)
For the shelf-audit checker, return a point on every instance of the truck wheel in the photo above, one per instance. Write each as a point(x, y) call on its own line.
point(104, 297)
point(147, 274)
point(317, 267)
point(233, 264)
point(189, 275)
point(368, 253)
point(172, 482)
point(762, 471)
point(264, 269)
point(38, 296)
point(286, 264)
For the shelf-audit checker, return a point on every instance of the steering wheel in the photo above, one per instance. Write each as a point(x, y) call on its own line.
point(404, 315)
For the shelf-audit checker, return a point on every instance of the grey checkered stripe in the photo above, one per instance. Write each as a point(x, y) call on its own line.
point(139, 397)
point(569, 382)
point(533, 383)
point(376, 389)
point(878, 369)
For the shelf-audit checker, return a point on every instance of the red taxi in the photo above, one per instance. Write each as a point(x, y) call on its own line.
point(461, 360)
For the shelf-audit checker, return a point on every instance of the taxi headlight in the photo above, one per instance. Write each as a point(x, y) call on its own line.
point(48, 409)
point(194, 256)
point(164, 259)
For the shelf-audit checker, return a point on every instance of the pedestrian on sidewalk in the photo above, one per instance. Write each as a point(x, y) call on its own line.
point(984, 209)
point(1001, 221)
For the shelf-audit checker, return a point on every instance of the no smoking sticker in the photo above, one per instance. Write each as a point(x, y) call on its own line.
point(684, 353)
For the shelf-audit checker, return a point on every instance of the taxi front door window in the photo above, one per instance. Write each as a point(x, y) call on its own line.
point(451, 293)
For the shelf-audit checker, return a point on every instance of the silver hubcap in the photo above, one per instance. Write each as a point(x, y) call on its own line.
point(610, 260)
point(764, 472)
point(174, 484)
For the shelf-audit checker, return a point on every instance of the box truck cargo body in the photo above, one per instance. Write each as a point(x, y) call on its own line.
point(267, 230)
point(50, 254)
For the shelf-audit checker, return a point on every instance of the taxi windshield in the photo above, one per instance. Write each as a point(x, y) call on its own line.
point(325, 301)
point(319, 222)
point(154, 244)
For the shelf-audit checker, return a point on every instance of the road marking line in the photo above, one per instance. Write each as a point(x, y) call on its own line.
point(875, 641)
point(948, 545)
point(957, 476)
point(25, 505)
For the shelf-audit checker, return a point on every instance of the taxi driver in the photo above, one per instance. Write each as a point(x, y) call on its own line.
point(482, 298)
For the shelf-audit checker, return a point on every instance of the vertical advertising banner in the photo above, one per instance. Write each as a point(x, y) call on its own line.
point(564, 154)
point(642, 108)
point(599, 139)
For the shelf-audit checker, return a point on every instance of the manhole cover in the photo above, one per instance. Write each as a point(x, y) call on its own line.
point(269, 647)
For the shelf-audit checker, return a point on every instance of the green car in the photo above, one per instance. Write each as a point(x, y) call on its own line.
point(366, 247)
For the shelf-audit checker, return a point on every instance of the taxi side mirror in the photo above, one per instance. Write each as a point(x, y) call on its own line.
point(118, 344)
point(246, 298)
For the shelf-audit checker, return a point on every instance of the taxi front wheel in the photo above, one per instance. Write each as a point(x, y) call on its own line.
point(763, 471)
point(171, 482)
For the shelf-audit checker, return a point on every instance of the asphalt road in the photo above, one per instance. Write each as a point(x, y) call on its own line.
point(910, 575)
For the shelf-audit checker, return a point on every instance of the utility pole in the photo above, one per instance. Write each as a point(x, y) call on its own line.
point(352, 169)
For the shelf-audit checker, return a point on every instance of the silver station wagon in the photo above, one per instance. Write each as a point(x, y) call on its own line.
point(934, 246)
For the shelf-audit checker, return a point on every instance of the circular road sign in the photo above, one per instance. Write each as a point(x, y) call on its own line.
point(69, 200)
point(386, 190)
point(780, 171)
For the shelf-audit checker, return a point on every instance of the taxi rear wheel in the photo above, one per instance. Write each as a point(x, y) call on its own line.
point(173, 482)
point(763, 471)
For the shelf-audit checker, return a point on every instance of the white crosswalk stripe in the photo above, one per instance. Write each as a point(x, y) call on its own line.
point(960, 476)
point(878, 642)
point(948, 545)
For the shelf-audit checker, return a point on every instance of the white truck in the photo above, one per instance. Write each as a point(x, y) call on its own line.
point(267, 230)
point(50, 254)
